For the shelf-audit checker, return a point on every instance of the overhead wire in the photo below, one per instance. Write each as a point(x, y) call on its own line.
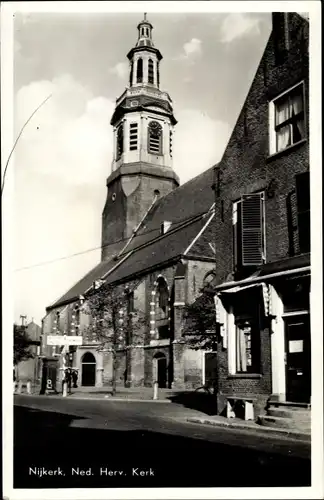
point(76, 254)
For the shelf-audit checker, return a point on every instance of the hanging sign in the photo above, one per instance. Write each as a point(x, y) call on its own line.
point(296, 346)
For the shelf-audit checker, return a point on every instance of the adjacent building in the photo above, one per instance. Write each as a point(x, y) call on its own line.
point(263, 217)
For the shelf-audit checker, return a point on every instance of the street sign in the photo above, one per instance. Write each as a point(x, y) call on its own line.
point(64, 340)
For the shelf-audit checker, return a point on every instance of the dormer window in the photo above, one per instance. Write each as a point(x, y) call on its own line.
point(165, 226)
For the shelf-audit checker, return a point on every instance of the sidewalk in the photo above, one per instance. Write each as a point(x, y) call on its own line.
point(140, 394)
point(235, 423)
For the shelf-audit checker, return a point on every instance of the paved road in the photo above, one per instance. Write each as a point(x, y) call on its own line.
point(144, 444)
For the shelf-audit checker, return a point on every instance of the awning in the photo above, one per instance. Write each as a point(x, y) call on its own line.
point(239, 288)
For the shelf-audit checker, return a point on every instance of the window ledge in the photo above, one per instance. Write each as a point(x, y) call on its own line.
point(245, 375)
point(278, 154)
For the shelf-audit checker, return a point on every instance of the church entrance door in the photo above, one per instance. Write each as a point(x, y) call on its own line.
point(88, 377)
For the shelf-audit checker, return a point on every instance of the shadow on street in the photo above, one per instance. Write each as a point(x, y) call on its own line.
point(196, 400)
point(46, 439)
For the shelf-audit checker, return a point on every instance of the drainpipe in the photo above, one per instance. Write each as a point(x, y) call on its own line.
point(216, 188)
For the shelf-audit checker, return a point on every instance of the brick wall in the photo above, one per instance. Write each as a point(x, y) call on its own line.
point(247, 166)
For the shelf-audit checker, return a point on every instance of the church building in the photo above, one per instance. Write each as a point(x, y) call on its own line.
point(157, 243)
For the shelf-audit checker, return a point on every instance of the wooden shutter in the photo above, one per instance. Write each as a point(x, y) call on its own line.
point(303, 211)
point(252, 230)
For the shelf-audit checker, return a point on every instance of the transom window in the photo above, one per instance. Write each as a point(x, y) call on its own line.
point(155, 138)
point(288, 126)
point(133, 136)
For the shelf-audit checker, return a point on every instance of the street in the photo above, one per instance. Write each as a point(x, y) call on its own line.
point(103, 443)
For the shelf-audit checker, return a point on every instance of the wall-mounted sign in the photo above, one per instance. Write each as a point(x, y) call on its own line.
point(296, 346)
point(64, 340)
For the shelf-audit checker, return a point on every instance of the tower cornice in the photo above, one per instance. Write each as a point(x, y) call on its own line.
point(142, 168)
point(145, 48)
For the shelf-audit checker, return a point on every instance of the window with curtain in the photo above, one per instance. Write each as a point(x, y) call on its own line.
point(155, 138)
point(289, 118)
point(248, 346)
point(150, 71)
point(139, 72)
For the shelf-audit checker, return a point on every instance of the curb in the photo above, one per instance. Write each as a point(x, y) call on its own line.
point(302, 436)
point(104, 398)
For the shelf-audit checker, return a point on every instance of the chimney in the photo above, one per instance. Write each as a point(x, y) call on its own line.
point(280, 33)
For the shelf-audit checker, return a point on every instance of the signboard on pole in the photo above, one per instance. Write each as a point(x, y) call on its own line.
point(64, 340)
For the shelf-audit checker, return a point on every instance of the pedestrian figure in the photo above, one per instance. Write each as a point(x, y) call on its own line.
point(75, 378)
point(68, 377)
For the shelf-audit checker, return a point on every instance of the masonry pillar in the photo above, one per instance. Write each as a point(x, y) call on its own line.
point(178, 342)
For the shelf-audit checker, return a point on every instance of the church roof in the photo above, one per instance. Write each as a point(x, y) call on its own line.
point(186, 208)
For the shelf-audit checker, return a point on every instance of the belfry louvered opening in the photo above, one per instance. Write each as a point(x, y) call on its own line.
point(150, 71)
point(249, 231)
point(133, 136)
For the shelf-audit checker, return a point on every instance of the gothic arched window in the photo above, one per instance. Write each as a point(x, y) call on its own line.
point(155, 138)
point(150, 71)
point(162, 312)
point(120, 141)
point(139, 74)
point(162, 300)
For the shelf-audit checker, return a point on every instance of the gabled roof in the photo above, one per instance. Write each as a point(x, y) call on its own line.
point(186, 208)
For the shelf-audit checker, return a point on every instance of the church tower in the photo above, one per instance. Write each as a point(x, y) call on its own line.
point(143, 124)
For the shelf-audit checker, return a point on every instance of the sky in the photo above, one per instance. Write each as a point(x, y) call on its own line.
point(64, 155)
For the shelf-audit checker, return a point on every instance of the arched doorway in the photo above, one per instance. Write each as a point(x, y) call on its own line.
point(160, 361)
point(88, 377)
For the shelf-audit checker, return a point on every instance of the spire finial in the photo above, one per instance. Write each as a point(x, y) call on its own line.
point(144, 16)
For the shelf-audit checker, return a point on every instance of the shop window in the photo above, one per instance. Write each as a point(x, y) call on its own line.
point(247, 346)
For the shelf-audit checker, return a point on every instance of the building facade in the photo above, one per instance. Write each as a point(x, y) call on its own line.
point(157, 246)
point(263, 215)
